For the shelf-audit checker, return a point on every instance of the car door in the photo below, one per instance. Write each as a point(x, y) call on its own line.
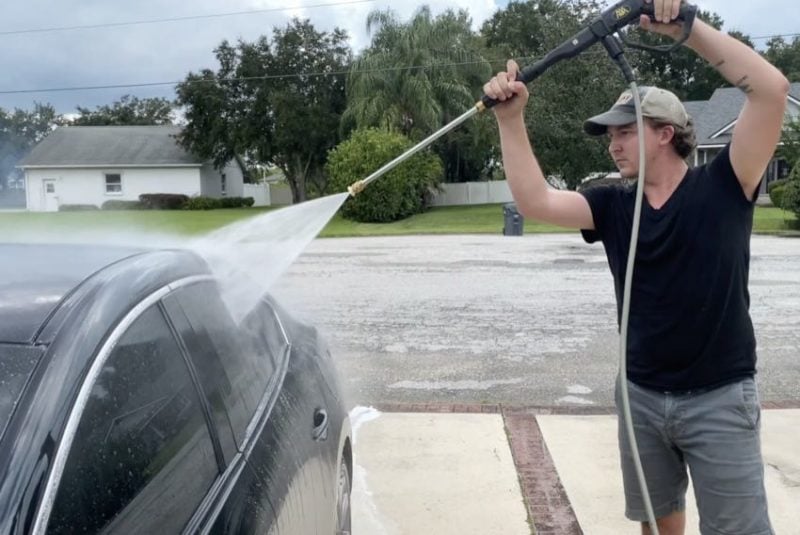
point(289, 452)
point(237, 377)
point(276, 412)
point(143, 458)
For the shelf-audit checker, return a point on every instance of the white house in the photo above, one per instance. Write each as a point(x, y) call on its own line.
point(715, 118)
point(94, 164)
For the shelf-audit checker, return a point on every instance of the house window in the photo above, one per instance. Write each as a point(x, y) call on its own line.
point(223, 184)
point(783, 169)
point(113, 184)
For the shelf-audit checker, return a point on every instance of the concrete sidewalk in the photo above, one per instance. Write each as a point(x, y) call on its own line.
point(435, 473)
point(449, 473)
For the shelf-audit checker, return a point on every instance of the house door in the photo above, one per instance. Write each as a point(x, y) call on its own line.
point(49, 197)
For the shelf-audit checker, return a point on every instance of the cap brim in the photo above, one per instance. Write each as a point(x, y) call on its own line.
point(598, 125)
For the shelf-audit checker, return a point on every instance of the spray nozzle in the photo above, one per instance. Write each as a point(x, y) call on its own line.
point(356, 187)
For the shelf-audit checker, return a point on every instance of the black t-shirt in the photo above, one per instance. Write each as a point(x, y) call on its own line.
point(690, 324)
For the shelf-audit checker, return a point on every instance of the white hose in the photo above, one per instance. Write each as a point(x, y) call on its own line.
point(626, 308)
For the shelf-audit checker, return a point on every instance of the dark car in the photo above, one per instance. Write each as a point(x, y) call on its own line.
point(131, 401)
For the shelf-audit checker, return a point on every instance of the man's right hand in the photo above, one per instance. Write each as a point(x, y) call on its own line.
point(511, 95)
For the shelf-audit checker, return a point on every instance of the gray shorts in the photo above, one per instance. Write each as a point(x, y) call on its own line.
point(713, 432)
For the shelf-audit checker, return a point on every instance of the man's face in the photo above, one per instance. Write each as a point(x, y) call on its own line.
point(623, 146)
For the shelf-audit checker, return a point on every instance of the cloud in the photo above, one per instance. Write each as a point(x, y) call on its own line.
point(168, 51)
point(161, 52)
point(767, 17)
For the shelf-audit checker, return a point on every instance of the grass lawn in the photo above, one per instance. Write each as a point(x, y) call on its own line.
point(482, 219)
point(769, 220)
point(178, 222)
point(479, 219)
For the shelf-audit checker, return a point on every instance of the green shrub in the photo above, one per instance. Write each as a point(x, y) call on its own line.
point(236, 202)
point(230, 202)
point(115, 204)
point(777, 194)
point(791, 194)
point(163, 201)
point(202, 203)
point(76, 207)
point(776, 184)
point(402, 192)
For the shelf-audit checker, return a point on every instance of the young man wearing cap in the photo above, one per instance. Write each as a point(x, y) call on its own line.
point(691, 348)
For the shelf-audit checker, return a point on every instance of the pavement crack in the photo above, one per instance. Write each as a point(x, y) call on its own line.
point(785, 478)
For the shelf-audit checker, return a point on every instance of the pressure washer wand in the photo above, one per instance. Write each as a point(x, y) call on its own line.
point(605, 25)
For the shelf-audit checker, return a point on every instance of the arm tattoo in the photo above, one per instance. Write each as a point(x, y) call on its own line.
point(744, 86)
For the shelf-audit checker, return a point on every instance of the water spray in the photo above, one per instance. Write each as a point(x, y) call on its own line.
point(605, 29)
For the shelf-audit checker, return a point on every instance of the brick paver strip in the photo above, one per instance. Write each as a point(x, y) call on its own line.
point(548, 504)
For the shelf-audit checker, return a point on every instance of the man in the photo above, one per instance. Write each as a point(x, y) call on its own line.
point(691, 349)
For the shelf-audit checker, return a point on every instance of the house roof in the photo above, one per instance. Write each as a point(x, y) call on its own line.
point(117, 146)
point(720, 111)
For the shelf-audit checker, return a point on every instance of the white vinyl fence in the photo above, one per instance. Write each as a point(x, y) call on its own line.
point(268, 195)
point(259, 192)
point(460, 194)
point(464, 193)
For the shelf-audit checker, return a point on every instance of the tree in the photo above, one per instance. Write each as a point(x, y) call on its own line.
point(271, 102)
point(418, 75)
point(785, 56)
point(568, 93)
point(129, 110)
point(20, 131)
point(791, 193)
point(789, 149)
point(682, 71)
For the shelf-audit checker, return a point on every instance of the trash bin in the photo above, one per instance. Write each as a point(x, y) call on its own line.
point(512, 220)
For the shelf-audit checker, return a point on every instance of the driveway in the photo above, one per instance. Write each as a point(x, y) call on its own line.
point(491, 319)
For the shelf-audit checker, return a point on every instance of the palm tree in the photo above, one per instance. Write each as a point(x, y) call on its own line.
point(414, 73)
point(416, 76)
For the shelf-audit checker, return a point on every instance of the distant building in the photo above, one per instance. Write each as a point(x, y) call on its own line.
point(93, 164)
point(715, 118)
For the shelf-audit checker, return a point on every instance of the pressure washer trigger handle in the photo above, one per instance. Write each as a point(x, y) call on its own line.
point(686, 14)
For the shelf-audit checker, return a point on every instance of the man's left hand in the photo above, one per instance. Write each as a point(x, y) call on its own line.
point(666, 11)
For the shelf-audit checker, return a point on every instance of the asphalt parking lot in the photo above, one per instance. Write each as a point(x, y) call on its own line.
point(491, 319)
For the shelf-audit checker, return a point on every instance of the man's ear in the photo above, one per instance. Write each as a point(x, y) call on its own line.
point(666, 134)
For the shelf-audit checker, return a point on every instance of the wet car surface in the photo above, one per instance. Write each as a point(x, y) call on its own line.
point(132, 401)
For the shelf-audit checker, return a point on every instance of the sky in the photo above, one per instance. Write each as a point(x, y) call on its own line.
point(167, 51)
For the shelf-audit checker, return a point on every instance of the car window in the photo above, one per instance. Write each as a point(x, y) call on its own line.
point(142, 458)
point(232, 362)
point(16, 365)
point(262, 326)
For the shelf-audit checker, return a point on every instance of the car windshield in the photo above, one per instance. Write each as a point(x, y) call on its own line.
point(16, 365)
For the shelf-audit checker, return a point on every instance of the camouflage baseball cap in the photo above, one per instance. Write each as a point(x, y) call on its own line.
point(658, 104)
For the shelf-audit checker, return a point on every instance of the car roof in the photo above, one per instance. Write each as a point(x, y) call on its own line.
point(35, 278)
